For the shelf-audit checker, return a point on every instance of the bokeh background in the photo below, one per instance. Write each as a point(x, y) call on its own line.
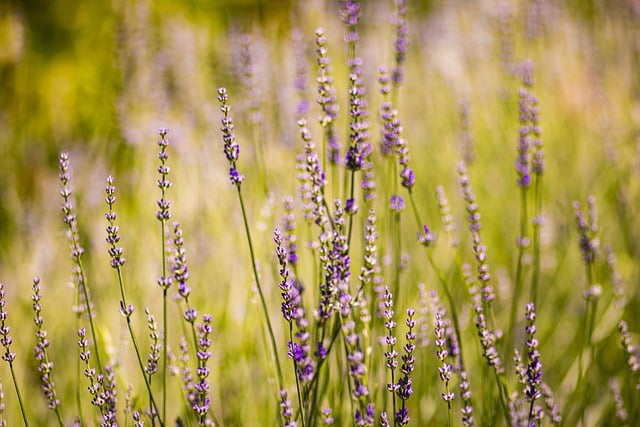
point(97, 79)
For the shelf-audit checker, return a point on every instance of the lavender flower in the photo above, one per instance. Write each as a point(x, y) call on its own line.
point(370, 267)
point(396, 203)
point(587, 228)
point(327, 419)
point(551, 409)
point(391, 355)
point(202, 400)
point(113, 237)
point(631, 351)
point(163, 183)
point(300, 79)
point(401, 43)
point(5, 330)
point(231, 147)
point(180, 268)
point(350, 15)
point(405, 385)
point(445, 216)
point(45, 366)
point(289, 226)
point(186, 374)
point(479, 249)
point(314, 177)
point(465, 394)
point(621, 412)
point(327, 97)
point(154, 348)
point(286, 410)
point(534, 367)
point(442, 352)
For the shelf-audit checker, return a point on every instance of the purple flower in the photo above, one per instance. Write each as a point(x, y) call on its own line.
point(350, 14)
point(179, 265)
point(587, 228)
point(201, 402)
point(397, 203)
point(5, 330)
point(286, 410)
point(163, 183)
point(154, 347)
point(45, 366)
point(327, 97)
point(230, 147)
point(534, 368)
point(401, 42)
point(479, 249)
point(113, 238)
point(426, 237)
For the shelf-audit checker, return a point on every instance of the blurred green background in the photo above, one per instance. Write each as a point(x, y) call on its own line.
point(99, 78)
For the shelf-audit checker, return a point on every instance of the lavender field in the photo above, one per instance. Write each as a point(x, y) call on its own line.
point(310, 213)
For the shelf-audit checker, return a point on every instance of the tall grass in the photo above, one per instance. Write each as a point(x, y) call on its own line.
point(361, 161)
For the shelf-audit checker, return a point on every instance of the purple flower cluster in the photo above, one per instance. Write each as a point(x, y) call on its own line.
point(45, 366)
point(465, 394)
point(179, 265)
point(405, 385)
point(202, 401)
point(286, 410)
point(390, 132)
point(231, 147)
point(359, 150)
point(370, 268)
point(401, 43)
point(154, 347)
point(439, 329)
point(448, 224)
point(313, 179)
point(5, 330)
point(293, 311)
point(163, 183)
point(587, 230)
point(113, 237)
point(631, 351)
point(301, 71)
point(534, 367)
point(327, 97)
point(102, 387)
point(479, 249)
point(289, 226)
point(350, 15)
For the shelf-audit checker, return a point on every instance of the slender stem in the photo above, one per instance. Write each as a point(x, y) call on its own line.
point(519, 269)
point(134, 341)
point(443, 282)
point(260, 293)
point(164, 323)
point(15, 383)
point(83, 278)
point(536, 239)
point(295, 374)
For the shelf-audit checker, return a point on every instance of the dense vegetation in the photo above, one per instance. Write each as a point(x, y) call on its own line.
point(320, 213)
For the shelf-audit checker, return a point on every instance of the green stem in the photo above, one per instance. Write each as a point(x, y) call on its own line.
point(259, 287)
point(295, 374)
point(536, 239)
point(85, 292)
point(15, 384)
point(164, 324)
point(519, 270)
point(135, 342)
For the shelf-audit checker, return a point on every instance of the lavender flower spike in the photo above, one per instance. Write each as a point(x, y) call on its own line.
point(45, 366)
point(231, 147)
